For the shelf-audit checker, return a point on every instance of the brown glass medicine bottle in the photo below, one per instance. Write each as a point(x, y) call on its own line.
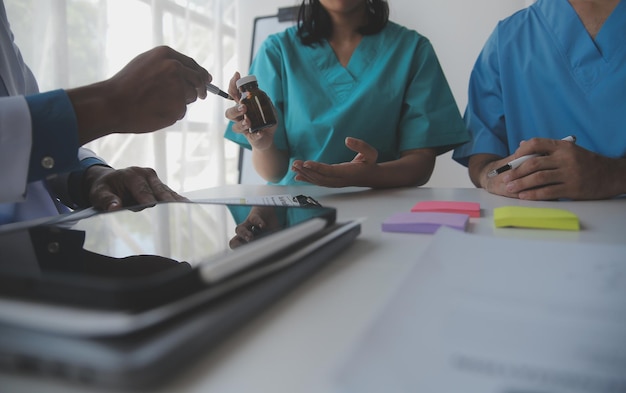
point(260, 112)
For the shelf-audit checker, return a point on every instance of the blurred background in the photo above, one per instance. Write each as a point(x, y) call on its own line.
point(69, 43)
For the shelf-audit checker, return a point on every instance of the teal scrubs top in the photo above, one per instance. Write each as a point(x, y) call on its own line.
point(541, 74)
point(392, 94)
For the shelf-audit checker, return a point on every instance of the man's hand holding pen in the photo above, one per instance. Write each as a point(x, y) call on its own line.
point(556, 169)
point(520, 160)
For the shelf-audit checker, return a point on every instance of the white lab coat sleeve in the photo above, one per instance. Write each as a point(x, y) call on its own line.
point(15, 148)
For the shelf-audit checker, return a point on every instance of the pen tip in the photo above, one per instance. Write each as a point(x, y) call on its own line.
point(225, 95)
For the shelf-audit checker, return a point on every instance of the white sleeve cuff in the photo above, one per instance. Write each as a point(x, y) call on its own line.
point(15, 146)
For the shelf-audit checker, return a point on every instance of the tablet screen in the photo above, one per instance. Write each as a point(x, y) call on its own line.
point(134, 257)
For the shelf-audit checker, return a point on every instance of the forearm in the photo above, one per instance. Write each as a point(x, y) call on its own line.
point(95, 111)
point(271, 163)
point(479, 166)
point(411, 170)
point(615, 182)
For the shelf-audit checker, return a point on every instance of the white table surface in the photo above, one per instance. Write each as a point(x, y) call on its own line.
point(297, 344)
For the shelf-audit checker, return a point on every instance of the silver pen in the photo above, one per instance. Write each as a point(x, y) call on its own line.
point(216, 90)
point(518, 161)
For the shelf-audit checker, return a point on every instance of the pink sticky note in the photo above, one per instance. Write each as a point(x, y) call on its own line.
point(472, 209)
point(424, 222)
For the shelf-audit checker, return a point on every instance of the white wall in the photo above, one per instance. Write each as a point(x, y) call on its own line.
point(457, 29)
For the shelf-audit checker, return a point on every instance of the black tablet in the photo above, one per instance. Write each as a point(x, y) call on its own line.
point(110, 273)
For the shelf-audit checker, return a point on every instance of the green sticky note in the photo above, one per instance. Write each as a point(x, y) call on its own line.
point(535, 217)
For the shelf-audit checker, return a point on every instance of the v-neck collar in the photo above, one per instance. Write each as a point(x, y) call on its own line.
point(610, 38)
point(588, 58)
point(342, 80)
point(362, 56)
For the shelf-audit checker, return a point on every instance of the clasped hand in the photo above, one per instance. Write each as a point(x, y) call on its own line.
point(562, 170)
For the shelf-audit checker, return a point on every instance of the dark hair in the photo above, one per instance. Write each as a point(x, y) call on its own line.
point(314, 24)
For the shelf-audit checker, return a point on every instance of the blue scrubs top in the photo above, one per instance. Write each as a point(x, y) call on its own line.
point(392, 94)
point(541, 74)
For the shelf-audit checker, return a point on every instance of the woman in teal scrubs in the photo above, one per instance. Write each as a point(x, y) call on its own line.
point(360, 101)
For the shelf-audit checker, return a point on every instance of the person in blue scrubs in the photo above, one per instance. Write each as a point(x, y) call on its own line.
point(43, 170)
point(360, 101)
point(551, 70)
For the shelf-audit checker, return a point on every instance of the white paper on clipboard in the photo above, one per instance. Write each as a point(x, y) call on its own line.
point(267, 200)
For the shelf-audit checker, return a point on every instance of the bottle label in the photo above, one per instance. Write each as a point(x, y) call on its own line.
point(258, 103)
point(260, 113)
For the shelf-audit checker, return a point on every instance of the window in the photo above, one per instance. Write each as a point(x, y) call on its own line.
point(68, 43)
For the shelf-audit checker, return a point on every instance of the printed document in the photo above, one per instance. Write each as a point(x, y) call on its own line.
point(493, 315)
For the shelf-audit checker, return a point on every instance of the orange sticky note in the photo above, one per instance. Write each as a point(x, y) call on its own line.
point(472, 209)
